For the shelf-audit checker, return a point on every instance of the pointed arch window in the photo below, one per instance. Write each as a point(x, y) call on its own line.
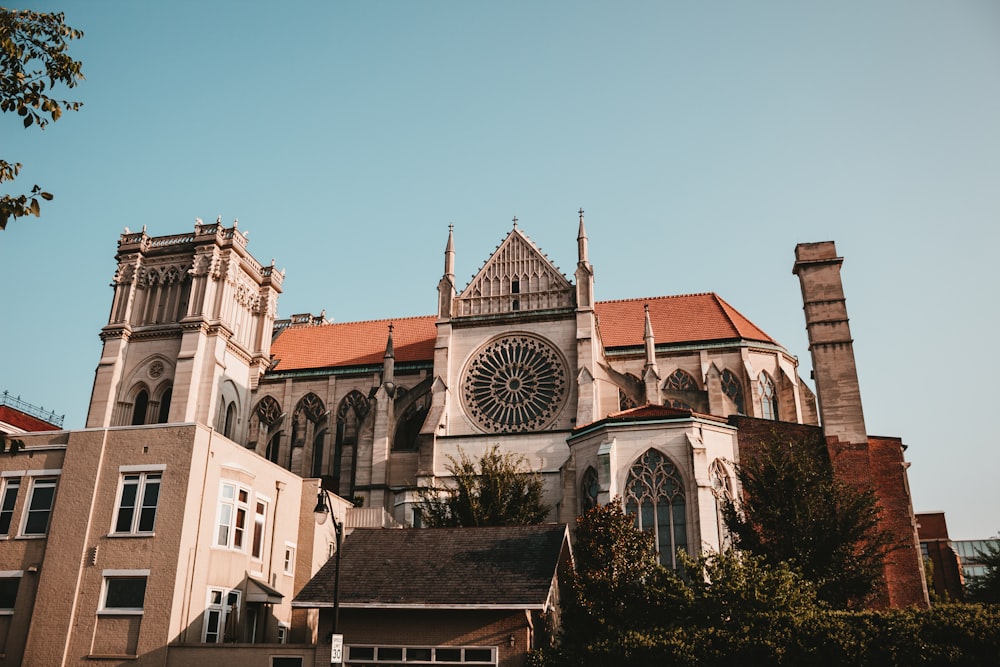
point(681, 380)
point(722, 489)
point(351, 411)
point(732, 388)
point(229, 424)
point(654, 493)
point(139, 408)
point(308, 423)
point(264, 425)
point(767, 396)
point(164, 415)
point(589, 488)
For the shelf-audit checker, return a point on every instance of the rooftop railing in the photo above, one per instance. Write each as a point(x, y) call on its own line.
point(34, 410)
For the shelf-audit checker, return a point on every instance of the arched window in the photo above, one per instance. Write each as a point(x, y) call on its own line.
point(767, 396)
point(589, 488)
point(139, 408)
point(654, 492)
point(165, 397)
point(732, 388)
point(681, 380)
point(410, 422)
point(230, 421)
point(263, 426)
point(307, 427)
point(317, 461)
point(350, 413)
point(722, 489)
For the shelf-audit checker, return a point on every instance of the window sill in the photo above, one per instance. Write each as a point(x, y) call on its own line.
point(31, 537)
point(119, 612)
point(101, 656)
point(127, 535)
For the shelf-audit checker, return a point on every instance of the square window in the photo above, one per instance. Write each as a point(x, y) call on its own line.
point(8, 593)
point(40, 501)
point(10, 490)
point(233, 511)
point(137, 501)
point(221, 615)
point(124, 594)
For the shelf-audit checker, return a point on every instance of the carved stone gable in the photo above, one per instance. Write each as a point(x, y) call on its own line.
point(516, 277)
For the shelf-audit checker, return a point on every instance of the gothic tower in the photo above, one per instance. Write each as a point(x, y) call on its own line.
point(189, 333)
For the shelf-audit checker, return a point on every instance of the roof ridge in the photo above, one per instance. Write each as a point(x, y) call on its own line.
point(663, 296)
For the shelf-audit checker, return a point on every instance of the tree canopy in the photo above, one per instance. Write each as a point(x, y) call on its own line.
point(496, 490)
point(795, 511)
point(34, 60)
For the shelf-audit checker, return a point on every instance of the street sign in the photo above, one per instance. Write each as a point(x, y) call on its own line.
point(337, 651)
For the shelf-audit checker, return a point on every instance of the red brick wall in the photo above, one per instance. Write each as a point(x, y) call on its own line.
point(878, 464)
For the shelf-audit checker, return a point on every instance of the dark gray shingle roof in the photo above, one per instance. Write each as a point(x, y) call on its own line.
point(505, 567)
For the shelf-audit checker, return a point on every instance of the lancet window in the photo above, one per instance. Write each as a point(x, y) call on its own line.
point(732, 388)
point(654, 493)
point(767, 396)
point(589, 488)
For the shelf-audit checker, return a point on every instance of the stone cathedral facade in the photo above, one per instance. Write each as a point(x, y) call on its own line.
point(641, 399)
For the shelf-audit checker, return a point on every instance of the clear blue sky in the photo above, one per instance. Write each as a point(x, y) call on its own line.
point(704, 140)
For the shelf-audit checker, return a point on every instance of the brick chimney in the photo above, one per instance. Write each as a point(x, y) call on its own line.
point(837, 390)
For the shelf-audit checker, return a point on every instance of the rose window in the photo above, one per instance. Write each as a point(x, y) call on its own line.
point(516, 383)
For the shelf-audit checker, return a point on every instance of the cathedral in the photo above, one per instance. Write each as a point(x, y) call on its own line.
point(646, 399)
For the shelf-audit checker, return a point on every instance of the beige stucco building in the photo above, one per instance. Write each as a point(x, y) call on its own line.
point(149, 543)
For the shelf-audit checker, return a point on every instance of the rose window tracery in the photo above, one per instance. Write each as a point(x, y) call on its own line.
point(515, 384)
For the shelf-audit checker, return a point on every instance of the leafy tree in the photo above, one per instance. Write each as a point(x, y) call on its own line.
point(986, 587)
point(498, 490)
point(618, 582)
point(795, 511)
point(33, 61)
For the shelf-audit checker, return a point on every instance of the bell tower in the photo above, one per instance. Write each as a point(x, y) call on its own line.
point(189, 333)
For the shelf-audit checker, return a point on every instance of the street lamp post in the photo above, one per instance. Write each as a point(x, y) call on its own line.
point(323, 510)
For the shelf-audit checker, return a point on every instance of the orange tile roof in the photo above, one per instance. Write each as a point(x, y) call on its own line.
point(354, 343)
point(689, 318)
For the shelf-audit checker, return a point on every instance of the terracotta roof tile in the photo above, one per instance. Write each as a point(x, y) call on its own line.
point(688, 318)
point(354, 343)
point(24, 421)
point(510, 567)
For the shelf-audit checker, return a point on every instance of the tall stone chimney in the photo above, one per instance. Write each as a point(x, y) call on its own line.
point(837, 390)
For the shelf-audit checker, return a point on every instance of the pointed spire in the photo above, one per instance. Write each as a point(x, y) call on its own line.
point(389, 360)
point(449, 254)
point(581, 242)
point(648, 338)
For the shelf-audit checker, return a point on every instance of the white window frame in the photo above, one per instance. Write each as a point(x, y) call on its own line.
point(283, 630)
point(26, 513)
point(221, 611)
point(235, 508)
point(110, 575)
point(288, 560)
point(142, 477)
point(258, 535)
point(9, 484)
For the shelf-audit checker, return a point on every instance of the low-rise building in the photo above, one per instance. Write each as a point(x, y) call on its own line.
point(151, 545)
